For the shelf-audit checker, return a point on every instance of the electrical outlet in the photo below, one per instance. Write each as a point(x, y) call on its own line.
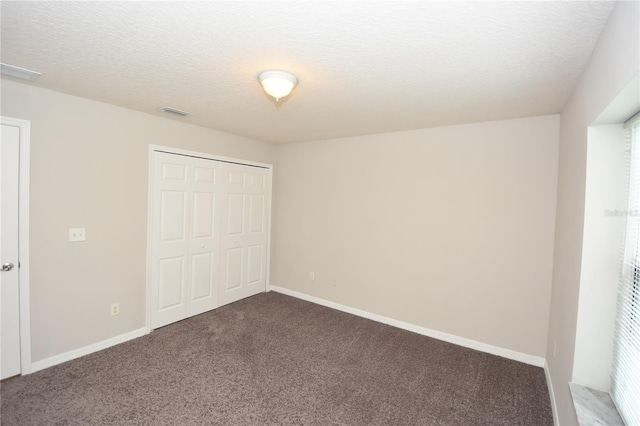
point(76, 234)
point(115, 309)
point(312, 276)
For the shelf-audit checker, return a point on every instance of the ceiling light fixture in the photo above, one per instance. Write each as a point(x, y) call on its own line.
point(277, 83)
point(17, 72)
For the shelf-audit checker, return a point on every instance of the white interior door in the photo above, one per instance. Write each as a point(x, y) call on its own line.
point(185, 244)
point(9, 281)
point(244, 233)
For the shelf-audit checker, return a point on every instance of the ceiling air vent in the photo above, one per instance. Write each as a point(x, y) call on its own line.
point(17, 72)
point(175, 111)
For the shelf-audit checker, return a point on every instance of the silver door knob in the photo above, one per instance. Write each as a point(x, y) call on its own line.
point(7, 266)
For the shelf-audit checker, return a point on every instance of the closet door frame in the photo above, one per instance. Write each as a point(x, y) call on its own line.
point(150, 223)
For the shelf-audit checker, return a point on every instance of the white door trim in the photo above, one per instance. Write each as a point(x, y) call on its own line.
point(23, 239)
point(170, 150)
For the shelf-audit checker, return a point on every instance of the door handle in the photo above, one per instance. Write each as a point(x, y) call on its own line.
point(7, 266)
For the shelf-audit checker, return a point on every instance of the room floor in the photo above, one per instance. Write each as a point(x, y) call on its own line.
point(274, 359)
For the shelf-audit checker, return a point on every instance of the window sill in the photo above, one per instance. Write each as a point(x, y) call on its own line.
point(594, 407)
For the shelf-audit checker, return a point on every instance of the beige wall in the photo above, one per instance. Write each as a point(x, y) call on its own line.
point(612, 65)
point(89, 165)
point(426, 219)
point(448, 228)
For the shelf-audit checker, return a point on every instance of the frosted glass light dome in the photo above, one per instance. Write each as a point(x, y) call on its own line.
point(277, 83)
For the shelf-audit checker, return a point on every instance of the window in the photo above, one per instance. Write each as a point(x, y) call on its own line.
point(625, 376)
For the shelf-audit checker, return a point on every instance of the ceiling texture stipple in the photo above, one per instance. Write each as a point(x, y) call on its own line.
point(363, 67)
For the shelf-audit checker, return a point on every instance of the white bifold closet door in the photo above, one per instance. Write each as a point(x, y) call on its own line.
point(209, 235)
point(243, 240)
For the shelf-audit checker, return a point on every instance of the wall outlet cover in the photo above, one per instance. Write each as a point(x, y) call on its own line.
point(76, 234)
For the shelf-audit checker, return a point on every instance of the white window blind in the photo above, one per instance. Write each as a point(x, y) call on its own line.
point(625, 379)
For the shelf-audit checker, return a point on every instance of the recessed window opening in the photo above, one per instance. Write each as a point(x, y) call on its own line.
point(625, 375)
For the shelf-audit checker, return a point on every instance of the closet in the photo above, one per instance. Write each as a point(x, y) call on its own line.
point(209, 232)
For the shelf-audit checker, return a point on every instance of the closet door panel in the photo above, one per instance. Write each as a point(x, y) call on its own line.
point(171, 283)
point(233, 269)
point(256, 214)
point(244, 238)
point(257, 235)
point(204, 204)
point(204, 239)
point(202, 273)
point(255, 265)
point(235, 215)
point(169, 257)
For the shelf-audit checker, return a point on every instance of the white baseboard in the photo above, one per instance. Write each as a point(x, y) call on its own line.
point(456, 340)
point(552, 395)
point(77, 353)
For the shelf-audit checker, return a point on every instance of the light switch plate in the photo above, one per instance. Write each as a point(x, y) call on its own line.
point(76, 234)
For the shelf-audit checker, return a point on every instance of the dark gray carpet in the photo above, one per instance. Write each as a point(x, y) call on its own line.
point(273, 359)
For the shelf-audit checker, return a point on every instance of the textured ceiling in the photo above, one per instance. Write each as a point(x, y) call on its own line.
point(364, 67)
